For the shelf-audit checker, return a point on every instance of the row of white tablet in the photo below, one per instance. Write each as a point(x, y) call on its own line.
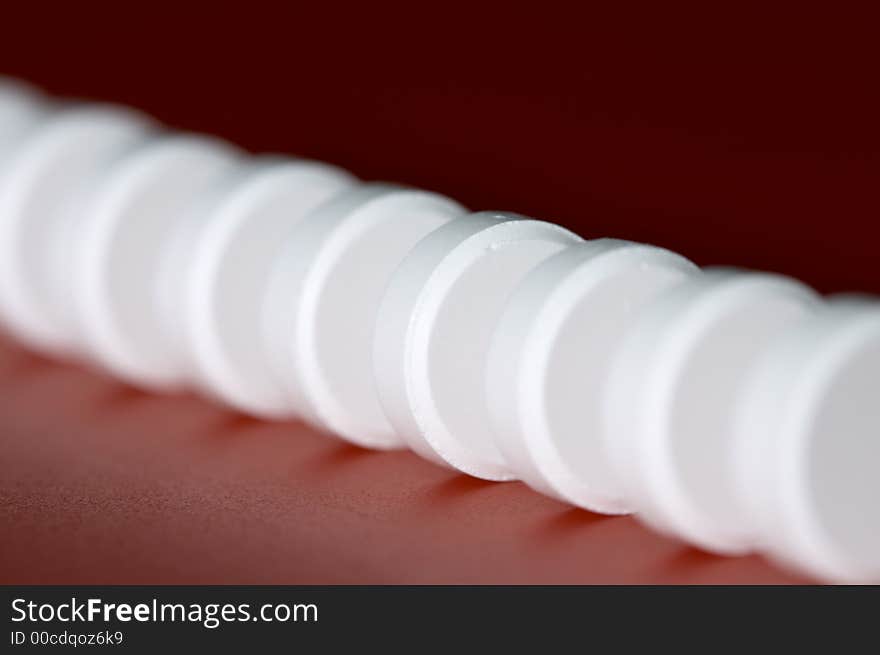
point(736, 410)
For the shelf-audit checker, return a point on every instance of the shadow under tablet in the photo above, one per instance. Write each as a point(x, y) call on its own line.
point(104, 484)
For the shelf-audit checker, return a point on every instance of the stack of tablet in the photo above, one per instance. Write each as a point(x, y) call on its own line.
point(734, 409)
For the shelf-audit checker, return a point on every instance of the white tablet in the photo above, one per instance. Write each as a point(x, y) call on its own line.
point(122, 245)
point(550, 359)
point(226, 260)
point(41, 191)
point(435, 328)
point(673, 396)
point(808, 445)
point(324, 296)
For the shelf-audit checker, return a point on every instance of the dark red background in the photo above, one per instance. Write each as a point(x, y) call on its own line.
point(732, 137)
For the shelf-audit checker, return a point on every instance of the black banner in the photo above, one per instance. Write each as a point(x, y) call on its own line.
point(414, 619)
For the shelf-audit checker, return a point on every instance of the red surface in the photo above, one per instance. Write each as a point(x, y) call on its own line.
point(732, 138)
point(104, 484)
